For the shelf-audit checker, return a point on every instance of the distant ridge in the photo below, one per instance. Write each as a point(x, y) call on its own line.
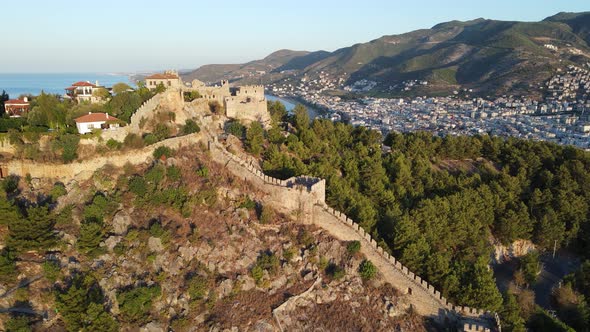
point(489, 56)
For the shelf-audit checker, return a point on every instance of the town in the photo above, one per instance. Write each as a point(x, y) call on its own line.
point(563, 117)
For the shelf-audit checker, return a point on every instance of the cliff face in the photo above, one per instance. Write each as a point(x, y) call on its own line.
point(517, 249)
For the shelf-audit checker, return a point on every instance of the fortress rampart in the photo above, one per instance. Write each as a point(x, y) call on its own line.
point(83, 170)
point(306, 195)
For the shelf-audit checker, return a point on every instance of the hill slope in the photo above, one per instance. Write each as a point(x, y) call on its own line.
point(489, 56)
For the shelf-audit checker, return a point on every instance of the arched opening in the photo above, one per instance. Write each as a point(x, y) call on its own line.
point(410, 291)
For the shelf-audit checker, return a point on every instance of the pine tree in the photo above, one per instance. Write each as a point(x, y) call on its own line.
point(255, 138)
point(482, 292)
point(36, 232)
point(91, 234)
point(8, 211)
point(510, 314)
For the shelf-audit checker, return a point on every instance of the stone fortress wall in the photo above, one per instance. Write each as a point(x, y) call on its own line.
point(83, 170)
point(307, 196)
point(246, 103)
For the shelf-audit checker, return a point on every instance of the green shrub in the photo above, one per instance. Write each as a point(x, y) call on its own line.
point(335, 271)
point(162, 151)
point(353, 247)
point(266, 261)
point(57, 191)
point(18, 323)
point(323, 263)
point(119, 249)
point(288, 254)
point(305, 238)
point(203, 172)
point(156, 229)
point(7, 265)
point(198, 287)
point(267, 215)
point(68, 146)
point(98, 208)
point(150, 139)
point(257, 273)
point(113, 144)
point(10, 184)
point(135, 304)
point(247, 203)
point(162, 131)
point(51, 270)
point(138, 186)
point(133, 141)
point(236, 128)
point(190, 127)
point(173, 173)
point(156, 174)
point(367, 270)
point(191, 95)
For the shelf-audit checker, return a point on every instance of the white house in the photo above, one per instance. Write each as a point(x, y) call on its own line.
point(84, 91)
point(91, 121)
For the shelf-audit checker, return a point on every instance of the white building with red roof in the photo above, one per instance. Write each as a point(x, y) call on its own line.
point(15, 108)
point(87, 123)
point(169, 79)
point(84, 91)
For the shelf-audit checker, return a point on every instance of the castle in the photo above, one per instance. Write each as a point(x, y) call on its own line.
point(246, 103)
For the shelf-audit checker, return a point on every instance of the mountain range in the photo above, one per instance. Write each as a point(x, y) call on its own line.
point(489, 56)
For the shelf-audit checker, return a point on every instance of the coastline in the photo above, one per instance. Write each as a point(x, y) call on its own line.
point(313, 110)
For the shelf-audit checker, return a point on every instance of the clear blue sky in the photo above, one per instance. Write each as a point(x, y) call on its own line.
point(134, 35)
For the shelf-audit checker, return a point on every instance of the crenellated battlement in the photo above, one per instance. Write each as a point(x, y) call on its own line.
point(303, 191)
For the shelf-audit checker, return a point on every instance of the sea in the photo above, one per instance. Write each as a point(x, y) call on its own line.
point(20, 84)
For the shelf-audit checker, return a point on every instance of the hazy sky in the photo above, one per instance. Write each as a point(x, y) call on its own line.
point(133, 35)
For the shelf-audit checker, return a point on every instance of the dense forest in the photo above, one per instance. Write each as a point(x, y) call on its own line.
point(438, 204)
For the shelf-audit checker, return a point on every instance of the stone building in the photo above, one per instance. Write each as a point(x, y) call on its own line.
point(168, 79)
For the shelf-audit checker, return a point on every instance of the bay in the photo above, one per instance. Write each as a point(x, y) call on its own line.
point(290, 105)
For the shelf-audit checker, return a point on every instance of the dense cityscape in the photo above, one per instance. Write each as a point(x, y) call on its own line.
point(563, 117)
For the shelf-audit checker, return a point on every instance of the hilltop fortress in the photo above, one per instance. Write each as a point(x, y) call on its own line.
point(245, 103)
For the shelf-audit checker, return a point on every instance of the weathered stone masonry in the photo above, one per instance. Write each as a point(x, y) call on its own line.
point(309, 201)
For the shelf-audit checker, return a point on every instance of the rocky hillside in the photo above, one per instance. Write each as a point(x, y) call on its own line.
point(489, 56)
point(179, 244)
point(260, 68)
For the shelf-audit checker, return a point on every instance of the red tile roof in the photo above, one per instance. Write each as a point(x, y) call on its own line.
point(81, 83)
point(163, 77)
point(16, 102)
point(95, 117)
